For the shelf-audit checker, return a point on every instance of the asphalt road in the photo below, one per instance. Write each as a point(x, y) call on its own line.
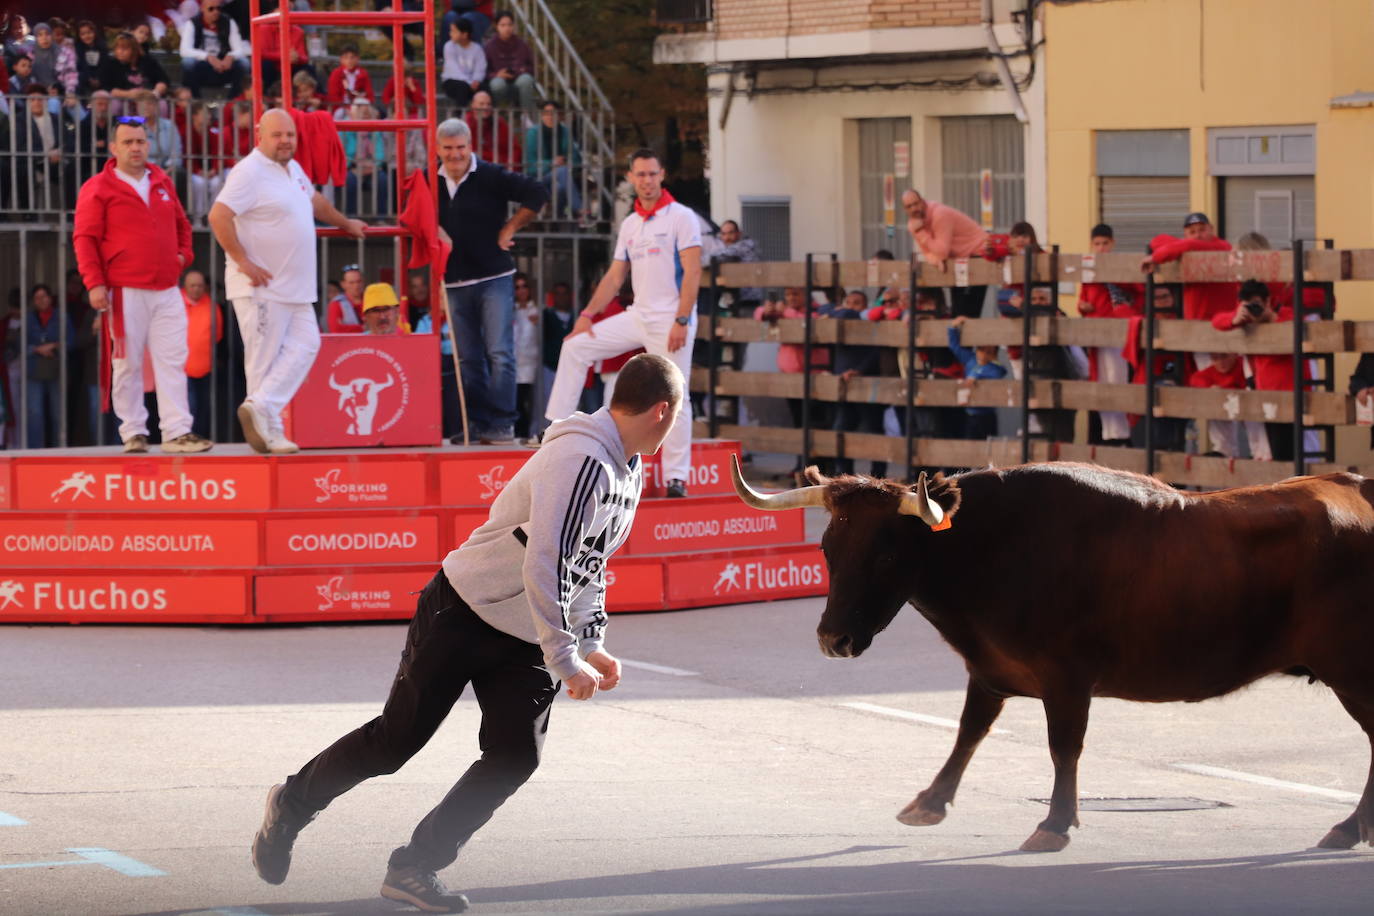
point(753, 777)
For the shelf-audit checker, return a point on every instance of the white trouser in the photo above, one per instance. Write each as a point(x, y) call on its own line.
point(614, 336)
point(1224, 435)
point(279, 346)
point(155, 321)
point(1113, 368)
point(204, 190)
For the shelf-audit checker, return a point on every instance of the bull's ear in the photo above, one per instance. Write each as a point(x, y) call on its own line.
point(814, 476)
point(917, 502)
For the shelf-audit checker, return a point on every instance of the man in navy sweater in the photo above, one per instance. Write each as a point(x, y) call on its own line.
point(474, 197)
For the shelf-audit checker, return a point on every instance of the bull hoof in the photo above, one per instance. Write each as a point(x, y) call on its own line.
point(1045, 841)
point(1336, 838)
point(915, 816)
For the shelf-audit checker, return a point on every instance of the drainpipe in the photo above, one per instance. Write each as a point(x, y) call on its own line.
point(1003, 71)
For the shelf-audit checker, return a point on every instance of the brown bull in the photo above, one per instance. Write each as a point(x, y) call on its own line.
point(1067, 582)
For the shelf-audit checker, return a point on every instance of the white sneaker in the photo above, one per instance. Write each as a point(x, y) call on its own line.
point(255, 426)
point(278, 444)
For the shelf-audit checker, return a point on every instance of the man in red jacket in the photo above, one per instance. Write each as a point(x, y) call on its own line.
point(132, 241)
point(1200, 300)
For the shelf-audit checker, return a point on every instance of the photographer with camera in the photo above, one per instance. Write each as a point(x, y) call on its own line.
point(1268, 371)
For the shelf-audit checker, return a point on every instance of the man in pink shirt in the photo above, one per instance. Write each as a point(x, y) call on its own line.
point(942, 233)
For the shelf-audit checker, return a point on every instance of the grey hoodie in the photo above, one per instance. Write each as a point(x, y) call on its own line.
point(536, 569)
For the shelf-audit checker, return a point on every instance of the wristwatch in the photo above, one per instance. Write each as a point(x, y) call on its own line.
point(683, 320)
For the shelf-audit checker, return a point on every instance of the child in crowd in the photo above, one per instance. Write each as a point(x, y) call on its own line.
point(978, 363)
point(348, 79)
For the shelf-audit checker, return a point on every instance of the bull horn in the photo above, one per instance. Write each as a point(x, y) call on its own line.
point(336, 386)
point(921, 505)
point(772, 502)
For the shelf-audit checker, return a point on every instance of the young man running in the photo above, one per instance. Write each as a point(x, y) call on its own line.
point(514, 610)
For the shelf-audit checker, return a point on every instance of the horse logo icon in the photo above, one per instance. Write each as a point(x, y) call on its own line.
point(328, 591)
point(79, 484)
point(728, 576)
point(8, 590)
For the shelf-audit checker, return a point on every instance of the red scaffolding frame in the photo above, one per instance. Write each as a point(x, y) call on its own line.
point(283, 20)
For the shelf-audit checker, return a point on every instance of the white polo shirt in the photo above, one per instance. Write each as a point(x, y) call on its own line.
point(274, 216)
point(653, 246)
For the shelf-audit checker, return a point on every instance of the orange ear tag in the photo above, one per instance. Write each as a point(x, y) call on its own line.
point(943, 526)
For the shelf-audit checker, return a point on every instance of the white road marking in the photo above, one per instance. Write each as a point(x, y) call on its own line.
point(658, 669)
point(1203, 769)
point(913, 716)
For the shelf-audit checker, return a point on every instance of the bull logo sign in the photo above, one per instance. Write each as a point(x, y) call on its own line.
point(328, 591)
point(373, 390)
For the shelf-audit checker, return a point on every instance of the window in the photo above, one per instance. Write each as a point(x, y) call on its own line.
point(884, 169)
point(768, 221)
point(970, 145)
point(1142, 184)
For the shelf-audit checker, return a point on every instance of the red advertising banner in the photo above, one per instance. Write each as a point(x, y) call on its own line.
point(123, 595)
point(369, 391)
point(763, 576)
point(34, 542)
point(634, 585)
point(350, 540)
point(475, 479)
point(709, 476)
point(334, 593)
point(117, 483)
point(713, 523)
point(351, 482)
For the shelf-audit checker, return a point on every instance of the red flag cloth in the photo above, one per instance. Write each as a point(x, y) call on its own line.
point(420, 217)
point(664, 199)
point(319, 151)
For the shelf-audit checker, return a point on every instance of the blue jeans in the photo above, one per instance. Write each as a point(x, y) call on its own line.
point(563, 191)
point(507, 93)
point(43, 413)
point(484, 322)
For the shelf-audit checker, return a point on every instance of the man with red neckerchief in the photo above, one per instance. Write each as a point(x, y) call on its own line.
point(660, 247)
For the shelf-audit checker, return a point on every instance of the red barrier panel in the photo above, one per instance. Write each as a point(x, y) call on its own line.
point(474, 478)
point(121, 595)
point(351, 540)
point(634, 584)
point(369, 391)
point(352, 482)
point(710, 523)
point(725, 578)
point(709, 475)
point(119, 483)
point(131, 541)
point(332, 593)
point(5, 500)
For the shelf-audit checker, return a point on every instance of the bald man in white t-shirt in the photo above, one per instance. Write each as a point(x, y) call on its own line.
point(660, 247)
point(264, 219)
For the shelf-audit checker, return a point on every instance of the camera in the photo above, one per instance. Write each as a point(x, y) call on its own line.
point(1255, 309)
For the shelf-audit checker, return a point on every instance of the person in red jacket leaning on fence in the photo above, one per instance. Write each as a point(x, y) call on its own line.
point(132, 240)
point(1200, 300)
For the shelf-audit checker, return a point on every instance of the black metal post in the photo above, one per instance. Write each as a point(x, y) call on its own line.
point(713, 353)
point(909, 423)
point(1299, 447)
point(1026, 353)
point(806, 365)
point(1149, 418)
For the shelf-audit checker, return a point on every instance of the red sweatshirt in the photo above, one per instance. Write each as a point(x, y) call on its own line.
point(1100, 298)
point(120, 241)
point(271, 45)
point(1211, 377)
point(1200, 300)
point(1273, 371)
point(338, 93)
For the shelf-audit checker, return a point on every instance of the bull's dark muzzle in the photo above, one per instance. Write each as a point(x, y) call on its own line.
point(839, 645)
